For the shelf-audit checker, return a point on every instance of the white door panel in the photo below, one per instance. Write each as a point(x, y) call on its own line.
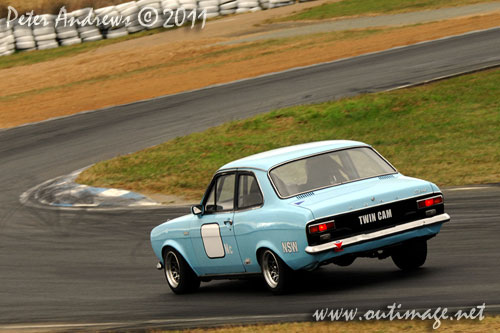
point(212, 241)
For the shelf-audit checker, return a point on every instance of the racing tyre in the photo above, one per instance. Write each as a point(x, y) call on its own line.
point(277, 274)
point(410, 255)
point(180, 277)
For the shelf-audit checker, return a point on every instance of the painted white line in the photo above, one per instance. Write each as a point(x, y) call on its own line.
point(157, 322)
point(468, 188)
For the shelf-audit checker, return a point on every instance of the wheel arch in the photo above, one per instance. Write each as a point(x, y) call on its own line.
point(266, 245)
point(172, 244)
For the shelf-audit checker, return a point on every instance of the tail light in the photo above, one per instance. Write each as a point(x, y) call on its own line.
point(320, 227)
point(424, 203)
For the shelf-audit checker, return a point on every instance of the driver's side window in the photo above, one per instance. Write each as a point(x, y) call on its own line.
point(221, 195)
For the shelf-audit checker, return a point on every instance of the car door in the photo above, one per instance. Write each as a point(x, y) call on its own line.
point(213, 240)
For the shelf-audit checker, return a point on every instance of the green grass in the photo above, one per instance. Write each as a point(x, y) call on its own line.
point(360, 7)
point(446, 132)
point(33, 57)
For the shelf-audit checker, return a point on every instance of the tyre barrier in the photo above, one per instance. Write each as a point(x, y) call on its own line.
point(119, 21)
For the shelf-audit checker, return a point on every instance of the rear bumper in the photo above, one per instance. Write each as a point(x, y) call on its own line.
point(354, 240)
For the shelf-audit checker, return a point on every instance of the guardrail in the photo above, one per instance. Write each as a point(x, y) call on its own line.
point(90, 24)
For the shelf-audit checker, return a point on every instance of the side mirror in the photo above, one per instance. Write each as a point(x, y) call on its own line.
point(197, 209)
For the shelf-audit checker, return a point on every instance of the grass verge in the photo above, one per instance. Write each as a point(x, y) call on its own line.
point(446, 132)
point(489, 324)
point(356, 7)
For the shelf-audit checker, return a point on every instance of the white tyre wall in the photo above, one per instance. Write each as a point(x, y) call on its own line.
point(143, 3)
point(46, 42)
point(211, 10)
point(25, 39)
point(52, 45)
point(46, 37)
point(229, 5)
point(247, 4)
point(87, 28)
point(9, 39)
point(117, 33)
point(209, 3)
point(71, 41)
point(172, 6)
point(158, 24)
point(90, 33)
point(135, 28)
point(130, 11)
point(227, 11)
point(43, 31)
point(62, 28)
point(49, 17)
point(25, 45)
point(132, 18)
point(67, 34)
point(7, 53)
point(22, 33)
point(93, 38)
point(188, 7)
point(156, 6)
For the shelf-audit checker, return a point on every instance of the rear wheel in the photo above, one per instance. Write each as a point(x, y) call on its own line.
point(180, 277)
point(276, 273)
point(410, 255)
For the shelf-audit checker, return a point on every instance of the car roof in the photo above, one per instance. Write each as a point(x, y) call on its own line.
point(268, 159)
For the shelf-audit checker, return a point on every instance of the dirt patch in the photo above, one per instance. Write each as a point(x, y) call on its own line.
point(181, 60)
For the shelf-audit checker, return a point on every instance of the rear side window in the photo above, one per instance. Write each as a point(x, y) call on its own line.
point(249, 194)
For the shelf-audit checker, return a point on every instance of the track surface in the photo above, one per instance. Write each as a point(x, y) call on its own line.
point(88, 267)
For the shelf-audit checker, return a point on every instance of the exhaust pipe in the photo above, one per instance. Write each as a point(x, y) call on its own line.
point(159, 265)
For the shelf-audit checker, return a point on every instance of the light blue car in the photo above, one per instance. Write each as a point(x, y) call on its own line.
point(296, 208)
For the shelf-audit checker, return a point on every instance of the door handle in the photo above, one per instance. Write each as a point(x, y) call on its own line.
point(230, 222)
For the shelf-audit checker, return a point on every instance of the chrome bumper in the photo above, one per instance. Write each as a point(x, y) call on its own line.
point(377, 234)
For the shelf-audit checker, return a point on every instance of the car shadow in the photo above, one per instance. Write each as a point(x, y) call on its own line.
point(329, 278)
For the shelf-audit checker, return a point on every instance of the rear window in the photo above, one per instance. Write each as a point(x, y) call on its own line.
point(328, 169)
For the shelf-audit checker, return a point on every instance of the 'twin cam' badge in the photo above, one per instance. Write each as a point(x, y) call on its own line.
point(338, 246)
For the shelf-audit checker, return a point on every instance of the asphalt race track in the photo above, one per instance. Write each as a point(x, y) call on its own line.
point(89, 267)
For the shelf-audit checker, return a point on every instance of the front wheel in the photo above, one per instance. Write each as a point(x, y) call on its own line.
point(276, 273)
point(180, 277)
point(410, 255)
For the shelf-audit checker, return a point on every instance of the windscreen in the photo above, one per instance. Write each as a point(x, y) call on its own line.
point(328, 169)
